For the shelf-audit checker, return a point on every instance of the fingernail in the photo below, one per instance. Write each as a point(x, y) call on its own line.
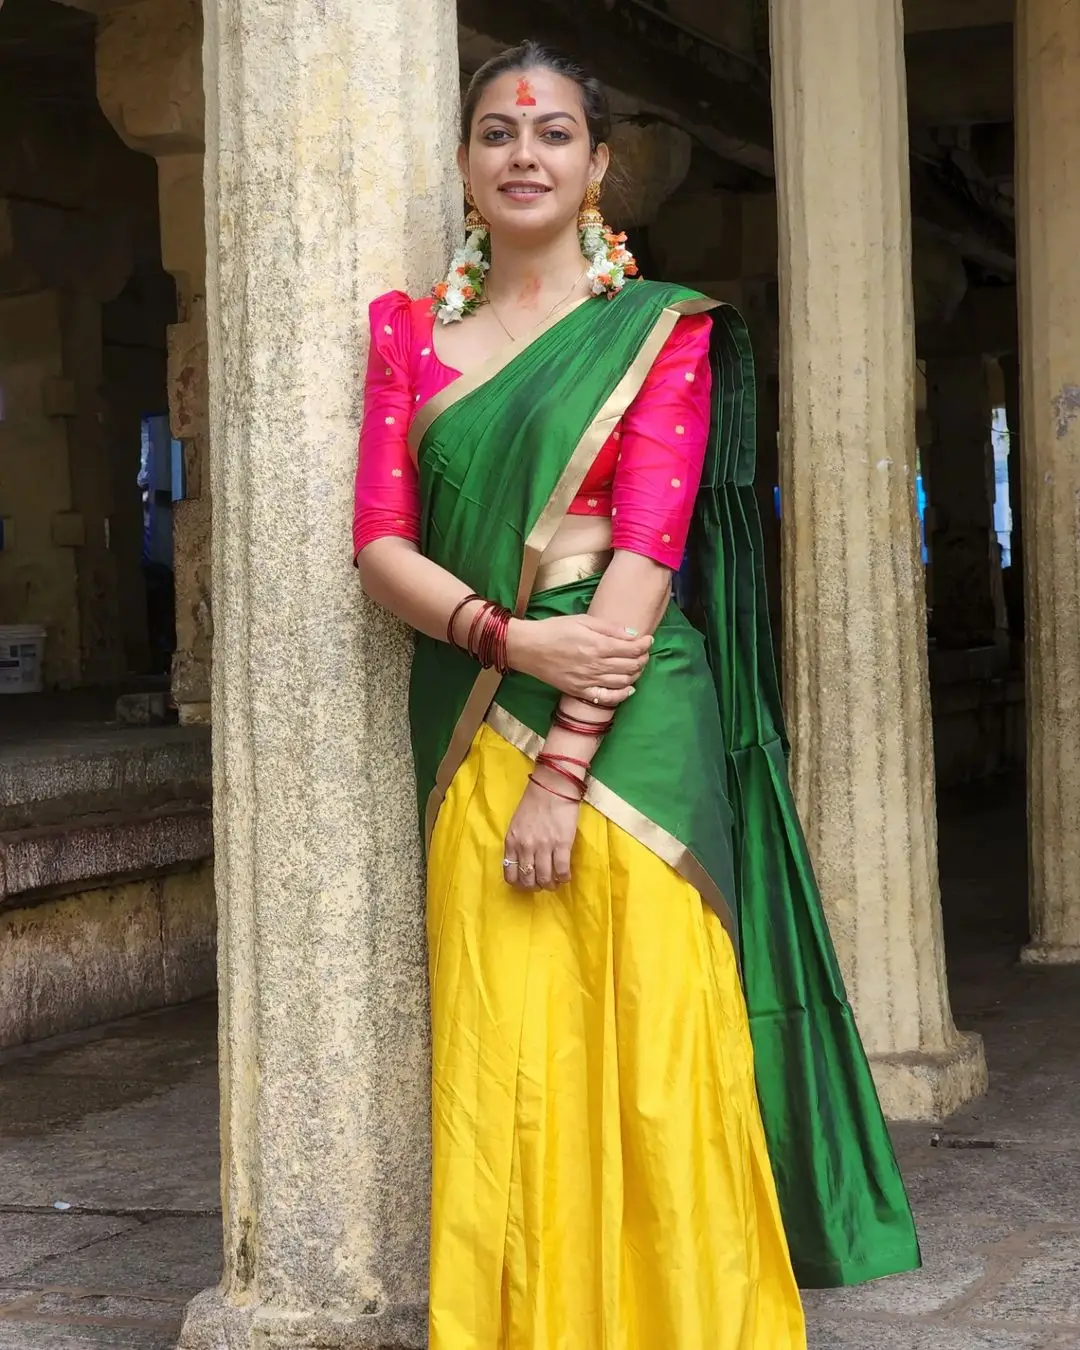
point(632, 631)
point(633, 691)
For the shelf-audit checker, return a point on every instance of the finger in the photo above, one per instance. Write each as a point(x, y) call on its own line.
point(545, 870)
point(607, 628)
point(621, 665)
point(600, 697)
point(608, 681)
point(526, 871)
point(625, 646)
point(510, 869)
point(616, 638)
point(561, 864)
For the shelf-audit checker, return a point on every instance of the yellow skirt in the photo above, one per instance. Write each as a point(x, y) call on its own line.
point(600, 1174)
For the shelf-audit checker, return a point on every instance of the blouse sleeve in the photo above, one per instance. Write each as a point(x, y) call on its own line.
point(662, 448)
point(387, 501)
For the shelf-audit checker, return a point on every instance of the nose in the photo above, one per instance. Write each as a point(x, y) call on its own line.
point(524, 150)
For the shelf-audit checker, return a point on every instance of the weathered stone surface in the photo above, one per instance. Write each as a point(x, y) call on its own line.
point(854, 613)
point(46, 779)
point(187, 389)
point(188, 934)
point(83, 958)
point(194, 616)
point(318, 868)
point(1048, 193)
point(149, 75)
point(101, 847)
point(142, 710)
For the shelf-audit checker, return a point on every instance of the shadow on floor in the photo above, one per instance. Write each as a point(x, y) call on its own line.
point(120, 1124)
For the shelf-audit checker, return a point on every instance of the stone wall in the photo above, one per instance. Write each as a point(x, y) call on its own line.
point(37, 565)
point(106, 890)
point(78, 960)
point(78, 213)
point(149, 82)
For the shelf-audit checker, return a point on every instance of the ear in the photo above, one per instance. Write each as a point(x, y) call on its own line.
point(600, 163)
point(463, 163)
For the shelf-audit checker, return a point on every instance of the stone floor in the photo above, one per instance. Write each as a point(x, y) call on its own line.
point(108, 1174)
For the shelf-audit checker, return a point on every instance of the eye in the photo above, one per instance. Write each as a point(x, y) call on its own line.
point(557, 135)
point(495, 136)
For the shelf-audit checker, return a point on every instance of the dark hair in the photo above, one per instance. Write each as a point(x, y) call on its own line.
point(533, 56)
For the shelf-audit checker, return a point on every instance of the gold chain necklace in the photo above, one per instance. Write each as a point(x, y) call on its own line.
point(557, 305)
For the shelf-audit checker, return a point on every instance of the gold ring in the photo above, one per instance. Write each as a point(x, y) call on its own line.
point(526, 868)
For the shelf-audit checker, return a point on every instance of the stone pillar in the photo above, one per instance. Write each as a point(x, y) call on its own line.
point(329, 178)
point(960, 487)
point(1048, 214)
point(149, 75)
point(854, 610)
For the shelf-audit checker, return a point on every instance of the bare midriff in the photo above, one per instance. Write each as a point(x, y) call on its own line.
point(579, 534)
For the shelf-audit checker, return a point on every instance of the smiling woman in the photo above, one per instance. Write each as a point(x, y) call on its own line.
point(602, 788)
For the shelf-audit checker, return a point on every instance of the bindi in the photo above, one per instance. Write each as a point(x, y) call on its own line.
point(525, 96)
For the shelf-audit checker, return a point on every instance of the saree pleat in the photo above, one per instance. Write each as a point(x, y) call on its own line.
point(844, 1204)
point(601, 1175)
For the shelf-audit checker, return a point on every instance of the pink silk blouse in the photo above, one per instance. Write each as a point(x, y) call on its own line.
point(645, 477)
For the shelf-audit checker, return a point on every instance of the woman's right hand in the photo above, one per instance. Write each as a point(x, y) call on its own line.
point(580, 655)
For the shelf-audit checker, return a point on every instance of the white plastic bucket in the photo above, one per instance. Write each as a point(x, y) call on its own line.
point(22, 646)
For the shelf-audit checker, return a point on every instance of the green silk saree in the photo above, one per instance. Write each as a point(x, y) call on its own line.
point(502, 452)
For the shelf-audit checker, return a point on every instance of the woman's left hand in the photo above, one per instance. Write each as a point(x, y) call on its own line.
point(539, 840)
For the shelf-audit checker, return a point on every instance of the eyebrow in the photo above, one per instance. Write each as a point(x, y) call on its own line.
point(513, 121)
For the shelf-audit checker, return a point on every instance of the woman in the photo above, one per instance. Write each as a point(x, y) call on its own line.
point(603, 788)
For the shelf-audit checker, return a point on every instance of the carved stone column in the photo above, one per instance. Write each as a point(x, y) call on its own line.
point(1048, 191)
point(854, 611)
point(330, 178)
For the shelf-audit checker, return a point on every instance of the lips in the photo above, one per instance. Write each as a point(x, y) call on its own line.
point(523, 191)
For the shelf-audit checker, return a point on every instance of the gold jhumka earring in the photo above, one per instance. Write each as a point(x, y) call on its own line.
point(474, 220)
point(590, 217)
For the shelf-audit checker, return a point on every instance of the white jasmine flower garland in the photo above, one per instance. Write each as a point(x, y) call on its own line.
point(462, 293)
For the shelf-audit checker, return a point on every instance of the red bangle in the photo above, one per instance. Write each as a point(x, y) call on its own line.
point(548, 762)
point(453, 620)
point(544, 788)
point(545, 757)
point(487, 640)
point(492, 646)
point(479, 618)
point(580, 728)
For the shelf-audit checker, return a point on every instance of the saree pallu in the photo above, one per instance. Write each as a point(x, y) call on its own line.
point(598, 1128)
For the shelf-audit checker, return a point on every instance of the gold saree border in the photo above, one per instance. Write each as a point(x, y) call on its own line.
point(471, 381)
point(468, 724)
point(629, 819)
point(487, 682)
point(574, 567)
point(598, 431)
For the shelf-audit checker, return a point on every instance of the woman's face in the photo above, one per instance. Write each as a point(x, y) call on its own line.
point(528, 160)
